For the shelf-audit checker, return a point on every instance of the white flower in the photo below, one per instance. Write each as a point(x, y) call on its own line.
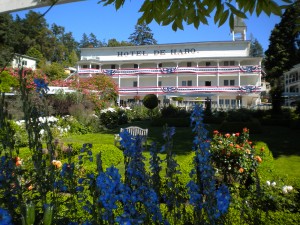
point(284, 190)
point(268, 182)
point(289, 188)
point(20, 122)
point(42, 131)
point(273, 184)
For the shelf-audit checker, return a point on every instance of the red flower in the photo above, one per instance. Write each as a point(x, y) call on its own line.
point(216, 132)
point(227, 135)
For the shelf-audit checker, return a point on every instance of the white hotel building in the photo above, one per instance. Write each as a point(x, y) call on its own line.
point(221, 71)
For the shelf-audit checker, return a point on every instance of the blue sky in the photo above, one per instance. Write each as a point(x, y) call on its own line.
point(106, 23)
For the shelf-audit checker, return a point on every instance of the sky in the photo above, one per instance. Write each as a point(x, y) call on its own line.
point(106, 23)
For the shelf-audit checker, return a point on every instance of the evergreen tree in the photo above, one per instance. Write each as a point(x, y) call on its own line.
point(93, 41)
point(283, 52)
point(256, 49)
point(142, 35)
point(84, 42)
point(6, 39)
point(114, 43)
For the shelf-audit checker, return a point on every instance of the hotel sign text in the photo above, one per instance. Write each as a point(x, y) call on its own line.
point(158, 52)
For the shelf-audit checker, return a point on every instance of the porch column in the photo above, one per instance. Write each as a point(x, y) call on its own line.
point(239, 75)
point(218, 79)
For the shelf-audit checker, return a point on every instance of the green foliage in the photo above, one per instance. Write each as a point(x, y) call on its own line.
point(142, 35)
point(174, 122)
point(55, 71)
point(150, 101)
point(109, 118)
point(194, 12)
point(256, 49)
point(62, 102)
point(7, 82)
point(253, 125)
point(234, 157)
point(35, 53)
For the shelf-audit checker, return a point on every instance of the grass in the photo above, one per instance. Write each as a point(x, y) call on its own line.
point(282, 141)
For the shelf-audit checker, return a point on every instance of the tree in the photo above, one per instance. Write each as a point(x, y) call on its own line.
point(93, 41)
point(55, 71)
point(283, 51)
point(33, 52)
point(256, 49)
point(6, 39)
point(142, 35)
point(84, 42)
point(177, 12)
point(99, 89)
point(114, 43)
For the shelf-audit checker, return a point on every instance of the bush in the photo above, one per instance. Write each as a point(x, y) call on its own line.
point(174, 122)
point(109, 118)
point(253, 125)
point(150, 101)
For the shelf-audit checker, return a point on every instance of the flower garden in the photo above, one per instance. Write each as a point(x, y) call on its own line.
point(224, 179)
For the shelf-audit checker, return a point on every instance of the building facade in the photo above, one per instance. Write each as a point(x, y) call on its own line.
point(221, 72)
point(291, 80)
point(23, 60)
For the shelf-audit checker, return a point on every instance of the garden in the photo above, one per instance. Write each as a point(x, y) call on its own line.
point(59, 165)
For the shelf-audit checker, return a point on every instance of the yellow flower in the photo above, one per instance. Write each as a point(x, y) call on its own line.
point(56, 163)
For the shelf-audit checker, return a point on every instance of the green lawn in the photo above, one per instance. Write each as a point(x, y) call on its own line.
point(282, 141)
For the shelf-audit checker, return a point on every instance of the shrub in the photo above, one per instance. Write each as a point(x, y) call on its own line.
point(150, 101)
point(174, 122)
point(234, 157)
point(109, 118)
point(254, 126)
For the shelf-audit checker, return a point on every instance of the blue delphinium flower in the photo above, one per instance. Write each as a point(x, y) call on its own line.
point(5, 218)
point(202, 188)
point(134, 193)
point(41, 86)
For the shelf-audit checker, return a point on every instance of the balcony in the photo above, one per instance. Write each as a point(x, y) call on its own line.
point(247, 89)
point(247, 69)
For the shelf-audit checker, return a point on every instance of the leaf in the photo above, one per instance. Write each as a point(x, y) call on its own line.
point(275, 8)
point(119, 3)
point(174, 26)
point(219, 12)
point(223, 18)
point(259, 8)
point(236, 11)
point(231, 21)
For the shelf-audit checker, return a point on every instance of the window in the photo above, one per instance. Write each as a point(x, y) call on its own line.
point(159, 83)
point(95, 66)
point(24, 63)
point(227, 102)
point(134, 83)
point(189, 64)
point(228, 63)
point(160, 65)
point(189, 83)
point(113, 66)
point(221, 101)
point(231, 82)
point(226, 83)
point(135, 66)
point(207, 83)
point(233, 102)
point(207, 63)
point(85, 66)
point(183, 83)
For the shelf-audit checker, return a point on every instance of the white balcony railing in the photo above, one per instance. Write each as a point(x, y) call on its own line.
point(247, 89)
point(169, 70)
